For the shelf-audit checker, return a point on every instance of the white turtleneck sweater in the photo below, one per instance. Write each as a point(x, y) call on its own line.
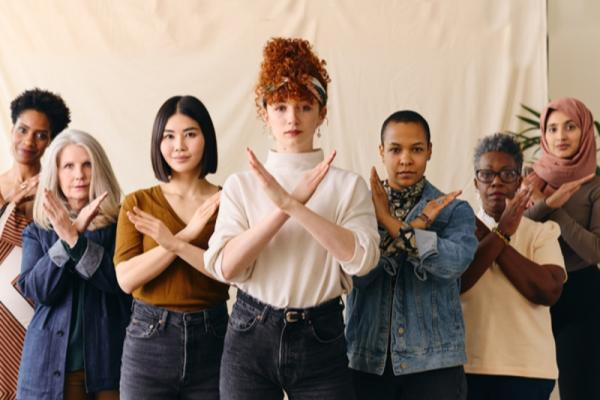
point(294, 270)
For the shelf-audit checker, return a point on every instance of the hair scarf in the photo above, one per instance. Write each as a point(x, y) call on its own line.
point(550, 172)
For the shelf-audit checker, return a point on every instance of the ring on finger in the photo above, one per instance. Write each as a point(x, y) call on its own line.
point(440, 201)
point(23, 186)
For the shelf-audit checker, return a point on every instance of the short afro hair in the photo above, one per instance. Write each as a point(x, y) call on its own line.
point(48, 103)
point(501, 142)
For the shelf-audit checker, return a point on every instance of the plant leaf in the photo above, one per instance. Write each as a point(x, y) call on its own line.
point(531, 110)
point(597, 126)
point(529, 121)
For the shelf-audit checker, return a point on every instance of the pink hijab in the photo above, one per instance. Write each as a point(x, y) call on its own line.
point(550, 172)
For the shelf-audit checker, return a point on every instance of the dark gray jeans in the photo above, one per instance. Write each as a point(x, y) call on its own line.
point(269, 350)
point(173, 355)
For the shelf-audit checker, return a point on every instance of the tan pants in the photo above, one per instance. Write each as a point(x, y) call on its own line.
point(75, 389)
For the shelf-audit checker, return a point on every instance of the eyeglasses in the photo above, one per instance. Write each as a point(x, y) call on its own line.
point(488, 176)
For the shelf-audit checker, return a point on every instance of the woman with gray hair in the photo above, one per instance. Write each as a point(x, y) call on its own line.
point(74, 342)
point(517, 273)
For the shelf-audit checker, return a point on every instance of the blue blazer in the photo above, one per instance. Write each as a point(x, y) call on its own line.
point(47, 275)
point(427, 327)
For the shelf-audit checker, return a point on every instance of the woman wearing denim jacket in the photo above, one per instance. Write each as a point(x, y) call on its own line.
point(74, 342)
point(405, 327)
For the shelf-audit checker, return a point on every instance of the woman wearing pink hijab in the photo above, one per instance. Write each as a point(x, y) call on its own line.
point(567, 192)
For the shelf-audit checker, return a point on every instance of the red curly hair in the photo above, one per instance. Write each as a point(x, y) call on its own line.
point(291, 59)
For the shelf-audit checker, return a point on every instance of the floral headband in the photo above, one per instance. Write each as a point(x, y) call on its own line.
point(313, 85)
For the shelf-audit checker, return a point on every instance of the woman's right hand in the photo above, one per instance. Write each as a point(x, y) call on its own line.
point(379, 198)
point(20, 196)
point(59, 218)
point(511, 217)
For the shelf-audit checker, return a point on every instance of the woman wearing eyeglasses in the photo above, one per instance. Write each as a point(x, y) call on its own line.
point(517, 273)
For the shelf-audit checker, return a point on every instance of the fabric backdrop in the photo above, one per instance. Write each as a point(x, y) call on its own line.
point(464, 64)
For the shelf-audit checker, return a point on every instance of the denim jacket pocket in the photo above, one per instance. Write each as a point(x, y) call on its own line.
point(242, 318)
point(328, 328)
point(142, 326)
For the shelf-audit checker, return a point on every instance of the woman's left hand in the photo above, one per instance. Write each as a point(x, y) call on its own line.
point(272, 188)
point(59, 218)
point(88, 213)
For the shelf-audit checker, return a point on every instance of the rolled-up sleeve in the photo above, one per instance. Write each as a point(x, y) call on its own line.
point(357, 214)
point(231, 221)
point(447, 255)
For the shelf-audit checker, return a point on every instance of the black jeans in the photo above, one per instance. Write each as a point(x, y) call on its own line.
point(173, 355)
point(576, 328)
point(499, 387)
point(270, 350)
point(437, 384)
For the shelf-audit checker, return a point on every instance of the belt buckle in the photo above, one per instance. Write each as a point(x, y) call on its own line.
point(294, 316)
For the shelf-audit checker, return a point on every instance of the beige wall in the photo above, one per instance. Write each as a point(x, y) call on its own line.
point(574, 55)
point(574, 51)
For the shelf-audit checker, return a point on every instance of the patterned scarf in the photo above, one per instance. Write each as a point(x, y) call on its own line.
point(401, 202)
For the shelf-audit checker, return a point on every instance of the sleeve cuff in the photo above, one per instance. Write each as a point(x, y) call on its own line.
point(91, 259)
point(58, 254)
point(427, 246)
point(389, 265)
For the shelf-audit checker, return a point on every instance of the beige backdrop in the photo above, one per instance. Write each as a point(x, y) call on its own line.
point(464, 64)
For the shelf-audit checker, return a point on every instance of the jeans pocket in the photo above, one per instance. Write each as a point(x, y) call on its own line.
point(142, 326)
point(219, 327)
point(328, 328)
point(242, 319)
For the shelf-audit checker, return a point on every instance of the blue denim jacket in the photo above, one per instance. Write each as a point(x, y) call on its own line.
point(47, 274)
point(427, 327)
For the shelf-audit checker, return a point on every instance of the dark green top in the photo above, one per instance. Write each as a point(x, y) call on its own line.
point(75, 347)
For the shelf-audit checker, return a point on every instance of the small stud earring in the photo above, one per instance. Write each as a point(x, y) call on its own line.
point(319, 132)
point(477, 196)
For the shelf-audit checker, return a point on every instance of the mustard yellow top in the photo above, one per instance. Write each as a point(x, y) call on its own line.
point(180, 286)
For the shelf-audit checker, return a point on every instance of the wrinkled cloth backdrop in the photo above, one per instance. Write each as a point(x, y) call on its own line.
point(464, 64)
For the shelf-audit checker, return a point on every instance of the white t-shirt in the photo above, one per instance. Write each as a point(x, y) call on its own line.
point(506, 334)
point(294, 270)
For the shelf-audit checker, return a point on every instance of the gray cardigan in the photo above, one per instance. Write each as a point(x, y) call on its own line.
point(579, 221)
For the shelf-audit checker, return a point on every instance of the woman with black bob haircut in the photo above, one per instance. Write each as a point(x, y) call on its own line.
point(174, 342)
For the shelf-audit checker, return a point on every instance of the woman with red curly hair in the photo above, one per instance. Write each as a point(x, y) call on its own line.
point(290, 235)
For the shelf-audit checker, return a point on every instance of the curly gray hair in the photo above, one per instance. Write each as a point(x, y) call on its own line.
point(499, 142)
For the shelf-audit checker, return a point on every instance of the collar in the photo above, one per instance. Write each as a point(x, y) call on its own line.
point(294, 161)
point(489, 221)
point(411, 192)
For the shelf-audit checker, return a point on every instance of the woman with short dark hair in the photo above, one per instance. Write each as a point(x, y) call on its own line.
point(506, 292)
point(38, 116)
point(175, 339)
